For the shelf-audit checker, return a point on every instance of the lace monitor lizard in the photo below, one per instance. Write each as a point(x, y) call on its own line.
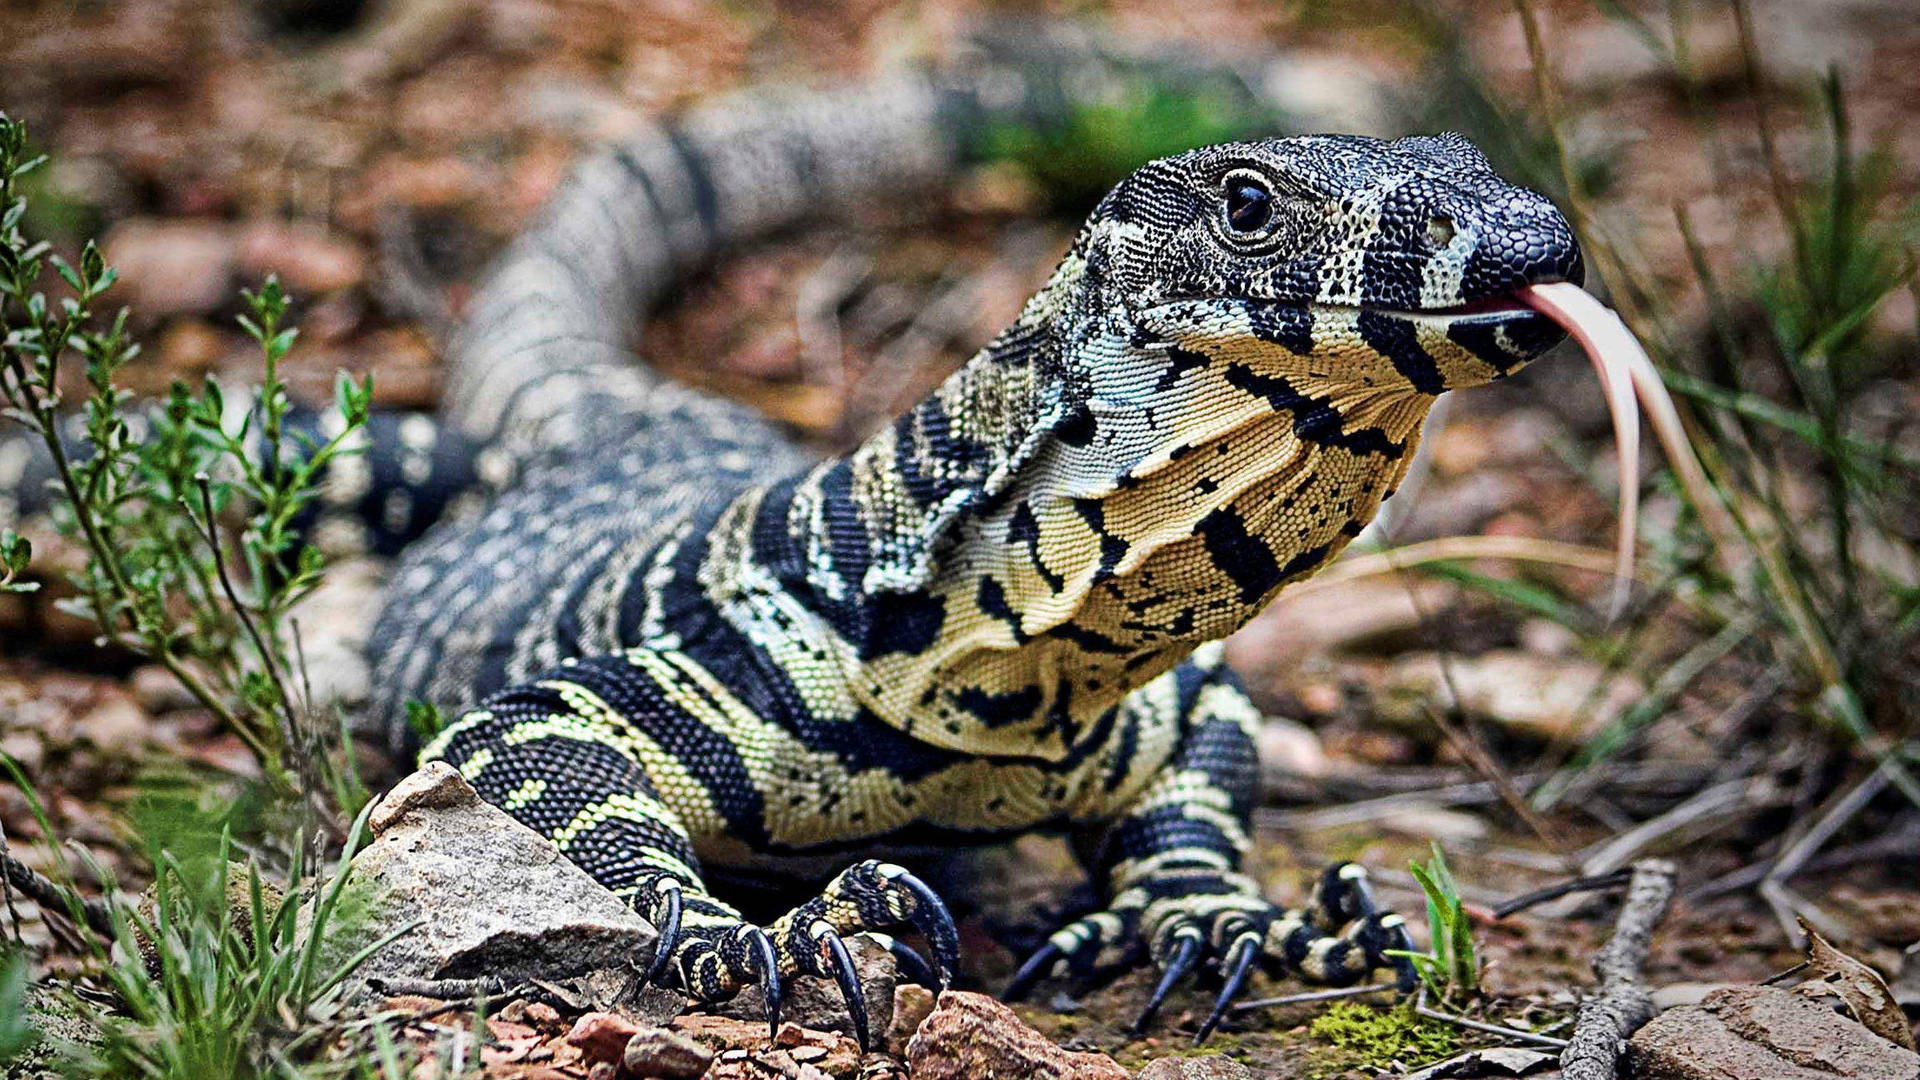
point(679, 645)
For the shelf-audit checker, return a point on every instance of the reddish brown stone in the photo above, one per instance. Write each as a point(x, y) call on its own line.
point(602, 1036)
point(973, 1037)
point(912, 1004)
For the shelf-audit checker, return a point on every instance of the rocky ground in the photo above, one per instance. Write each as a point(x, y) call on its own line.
point(375, 157)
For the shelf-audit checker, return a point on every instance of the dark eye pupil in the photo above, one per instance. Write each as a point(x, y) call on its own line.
point(1248, 206)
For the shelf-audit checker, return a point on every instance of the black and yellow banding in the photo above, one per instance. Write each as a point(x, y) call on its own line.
point(686, 647)
point(679, 644)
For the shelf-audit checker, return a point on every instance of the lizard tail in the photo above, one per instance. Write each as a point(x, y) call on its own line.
point(556, 320)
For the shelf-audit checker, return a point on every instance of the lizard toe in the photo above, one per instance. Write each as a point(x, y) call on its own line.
point(1187, 951)
point(669, 908)
point(1234, 971)
point(1101, 943)
point(912, 966)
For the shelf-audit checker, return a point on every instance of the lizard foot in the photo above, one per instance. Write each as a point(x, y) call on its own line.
point(1184, 918)
point(712, 952)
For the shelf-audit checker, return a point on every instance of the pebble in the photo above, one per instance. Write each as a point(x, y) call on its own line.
point(602, 1036)
point(657, 1052)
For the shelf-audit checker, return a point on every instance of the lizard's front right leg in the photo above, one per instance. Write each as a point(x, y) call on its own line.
point(578, 774)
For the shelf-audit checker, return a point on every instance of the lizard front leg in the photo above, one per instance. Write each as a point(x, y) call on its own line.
point(560, 759)
point(1172, 867)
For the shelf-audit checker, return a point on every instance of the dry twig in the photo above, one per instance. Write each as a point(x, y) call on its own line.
point(1784, 902)
point(1622, 1004)
point(52, 896)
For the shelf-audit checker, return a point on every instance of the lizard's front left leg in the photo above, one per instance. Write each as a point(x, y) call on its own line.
point(595, 780)
point(1172, 866)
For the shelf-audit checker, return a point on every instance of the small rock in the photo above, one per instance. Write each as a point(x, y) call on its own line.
point(1208, 1067)
point(1292, 748)
point(745, 1042)
point(1763, 1033)
point(971, 1035)
point(1449, 827)
point(602, 1036)
point(239, 900)
point(1544, 637)
point(789, 1034)
point(117, 726)
point(911, 1005)
point(189, 347)
point(777, 1063)
point(438, 786)
point(173, 267)
point(489, 896)
point(658, 1052)
point(722, 1033)
point(1551, 697)
point(308, 257)
point(25, 748)
point(157, 691)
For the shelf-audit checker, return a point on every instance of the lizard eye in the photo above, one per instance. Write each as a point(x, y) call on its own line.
point(1249, 204)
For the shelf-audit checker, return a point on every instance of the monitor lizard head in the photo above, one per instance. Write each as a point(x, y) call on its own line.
point(1212, 395)
point(1392, 263)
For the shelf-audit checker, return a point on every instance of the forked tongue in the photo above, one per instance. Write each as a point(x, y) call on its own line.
point(1615, 356)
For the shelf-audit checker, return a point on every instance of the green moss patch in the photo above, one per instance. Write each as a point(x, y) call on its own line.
point(1364, 1037)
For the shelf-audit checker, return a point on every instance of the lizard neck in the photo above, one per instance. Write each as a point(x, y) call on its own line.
point(1070, 515)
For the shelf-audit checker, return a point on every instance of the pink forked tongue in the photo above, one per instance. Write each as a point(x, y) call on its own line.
point(1616, 356)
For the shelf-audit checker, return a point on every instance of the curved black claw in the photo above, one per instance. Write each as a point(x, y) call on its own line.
point(849, 980)
point(1185, 955)
point(1406, 978)
point(912, 966)
point(669, 939)
point(935, 923)
point(1238, 965)
point(1037, 967)
point(769, 961)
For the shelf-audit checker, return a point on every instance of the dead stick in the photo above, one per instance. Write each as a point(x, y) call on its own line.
point(1622, 1004)
point(52, 896)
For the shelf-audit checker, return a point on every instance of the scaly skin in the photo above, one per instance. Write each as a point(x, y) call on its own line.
point(993, 616)
point(678, 643)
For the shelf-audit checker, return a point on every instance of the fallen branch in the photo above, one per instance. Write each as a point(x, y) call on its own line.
point(462, 990)
point(1622, 1004)
point(52, 896)
point(1554, 892)
point(1713, 804)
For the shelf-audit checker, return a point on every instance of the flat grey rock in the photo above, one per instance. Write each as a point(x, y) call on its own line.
point(487, 897)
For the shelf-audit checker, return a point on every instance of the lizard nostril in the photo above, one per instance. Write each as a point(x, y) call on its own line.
point(1440, 230)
